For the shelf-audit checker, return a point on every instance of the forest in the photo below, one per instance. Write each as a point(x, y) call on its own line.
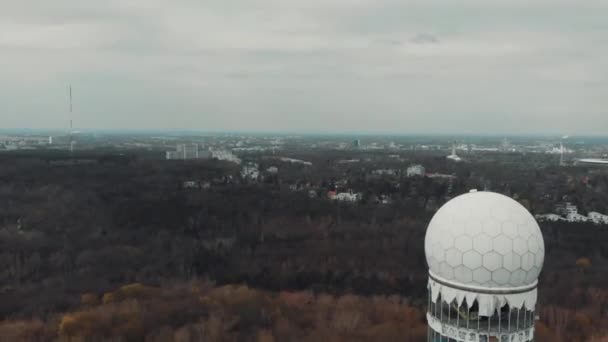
point(113, 248)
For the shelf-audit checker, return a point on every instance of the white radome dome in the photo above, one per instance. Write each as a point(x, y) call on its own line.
point(484, 240)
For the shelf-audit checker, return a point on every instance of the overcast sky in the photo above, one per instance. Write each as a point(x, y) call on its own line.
point(399, 66)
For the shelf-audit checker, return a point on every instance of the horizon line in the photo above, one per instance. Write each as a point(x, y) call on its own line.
point(304, 133)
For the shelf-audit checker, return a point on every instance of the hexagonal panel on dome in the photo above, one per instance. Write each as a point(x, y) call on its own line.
point(463, 274)
point(502, 244)
point(524, 231)
point(541, 244)
point(532, 275)
point(500, 213)
point(441, 220)
point(427, 242)
point(531, 222)
point(527, 261)
point(461, 213)
point(482, 243)
point(491, 283)
point(519, 217)
point(473, 228)
point(464, 243)
point(511, 262)
point(446, 240)
point(472, 260)
point(539, 259)
point(433, 264)
point(532, 244)
point(492, 261)
point(518, 278)
point(501, 276)
point(520, 245)
point(481, 276)
point(492, 228)
point(457, 228)
point(509, 228)
point(446, 271)
point(438, 252)
point(453, 257)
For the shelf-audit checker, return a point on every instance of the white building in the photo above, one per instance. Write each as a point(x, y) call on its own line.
point(549, 217)
point(386, 172)
point(295, 161)
point(572, 215)
point(483, 278)
point(225, 156)
point(384, 199)
point(576, 217)
point(593, 161)
point(348, 197)
point(191, 185)
point(415, 170)
point(454, 156)
point(566, 209)
point(250, 171)
point(312, 194)
point(598, 218)
point(273, 170)
point(185, 152)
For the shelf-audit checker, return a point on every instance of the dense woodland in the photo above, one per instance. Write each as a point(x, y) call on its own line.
point(107, 247)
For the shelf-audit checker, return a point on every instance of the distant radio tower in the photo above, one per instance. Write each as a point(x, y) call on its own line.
point(454, 156)
point(71, 134)
point(562, 162)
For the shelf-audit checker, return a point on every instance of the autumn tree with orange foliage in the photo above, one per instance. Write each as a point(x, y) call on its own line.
point(216, 314)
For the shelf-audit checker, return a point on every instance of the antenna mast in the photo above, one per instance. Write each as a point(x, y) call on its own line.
point(71, 121)
point(562, 150)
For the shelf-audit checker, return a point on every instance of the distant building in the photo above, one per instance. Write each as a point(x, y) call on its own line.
point(192, 151)
point(386, 172)
point(593, 161)
point(250, 171)
point(441, 175)
point(357, 143)
point(576, 218)
point(348, 197)
point(273, 170)
point(225, 156)
point(383, 199)
point(186, 152)
point(598, 218)
point(295, 161)
point(191, 185)
point(569, 213)
point(454, 156)
point(348, 161)
point(549, 217)
point(566, 209)
point(415, 170)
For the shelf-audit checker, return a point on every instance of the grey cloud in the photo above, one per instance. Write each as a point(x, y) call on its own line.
point(393, 42)
point(425, 38)
point(410, 66)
